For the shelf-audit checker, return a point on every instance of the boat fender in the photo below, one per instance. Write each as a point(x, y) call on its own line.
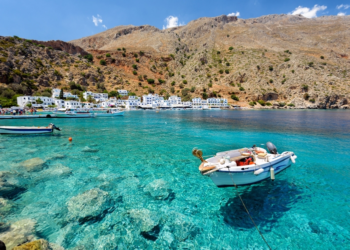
point(259, 171)
point(292, 159)
point(222, 161)
point(272, 172)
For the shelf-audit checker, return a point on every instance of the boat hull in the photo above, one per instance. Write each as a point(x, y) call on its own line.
point(25, 130)
point(121, 113)
point(227, 178)
point(64, 115)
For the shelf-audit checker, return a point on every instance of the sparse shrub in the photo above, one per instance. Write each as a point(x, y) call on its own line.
point(312, 100)
point(103, 62)
point(184, 81)
point(136, 55)
point(141, 53)
point(172, 56)
point(291, 105)
point(134, 66)
point(137, 60)
point(145, 77)
point(161, 81)
point(108, 55)
point(311, 64)
point(210, 85)
point(322, 57)
point(227, 71)
point(218, 52)
point(232, 84)
point(252, 103)
point(293, 71)
point(140, 84)
point(306, 96)
point(183, 76)
point(134, 72)
point(173, 83)
point(182, 86)
point(268, 104)
point(282, 104)
point(234, 97)
point(208, 75)
point(287, 59)
point(221, 71)
point(124, 55)
point(262, 102)
point(241, 89)
point(150, 81)
point(271, 81)
point(231, 48)
point(270, 68)
point(227, 64)
point(172, 90)
point(193, 89)
point(140, 78)
point(205, 96)
point(305, 87)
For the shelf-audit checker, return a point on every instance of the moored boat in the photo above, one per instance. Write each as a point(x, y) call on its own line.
point(244, 166)
point(28, 130)
point(110, 113)
point(73, 113)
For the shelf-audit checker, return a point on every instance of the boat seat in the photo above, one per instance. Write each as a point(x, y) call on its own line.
point(237, 158)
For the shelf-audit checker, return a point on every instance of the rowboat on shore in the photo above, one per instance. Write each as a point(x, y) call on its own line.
point(28, 130)
point(244, 166)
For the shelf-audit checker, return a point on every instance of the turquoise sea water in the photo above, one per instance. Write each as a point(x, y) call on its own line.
point(151, 195)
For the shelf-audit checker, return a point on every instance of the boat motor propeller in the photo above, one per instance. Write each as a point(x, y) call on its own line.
point(198, 153)
point(54, 127)
point(272, 148)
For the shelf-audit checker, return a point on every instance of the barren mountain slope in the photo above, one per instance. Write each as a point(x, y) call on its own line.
point(273, 57)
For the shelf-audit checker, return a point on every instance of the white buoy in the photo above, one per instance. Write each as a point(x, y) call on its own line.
point(259, 171)
point(292, 159)
point(272, 172)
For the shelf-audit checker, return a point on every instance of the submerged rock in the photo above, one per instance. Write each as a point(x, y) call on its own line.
point(2, 147)
point(89, 205)
point(34, 164)
point(18, 233)
point(89, 150)
point(9, 190)
point(34, 245)
point(144, 219)
point(158, 189)
point(5, 206)
point(55, 157)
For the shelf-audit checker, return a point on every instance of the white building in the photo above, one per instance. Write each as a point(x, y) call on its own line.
point(59, 103)
point(197, 103)
point(72, 105)
point(151, 101)
point(56, 94)
point(175, 101)
point(132, 103)
point(23, 101)
point(99, 97)
point(123, 92)
point(217, 102)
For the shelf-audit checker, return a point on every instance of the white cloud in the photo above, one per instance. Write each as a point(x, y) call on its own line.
point(171, 22)
point(104, 26)
point(307, 12)
point(97, 20)
point(345, 6)
point(341, 14)
point(234, 14)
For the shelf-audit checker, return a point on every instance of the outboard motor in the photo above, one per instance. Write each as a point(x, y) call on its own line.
point(54, 127)
point(272, 148)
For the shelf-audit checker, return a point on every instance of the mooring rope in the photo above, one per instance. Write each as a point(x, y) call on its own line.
point(262, 236)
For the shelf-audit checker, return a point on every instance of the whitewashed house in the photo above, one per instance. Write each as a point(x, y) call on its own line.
point(151, 101)
point(132, 103)
point(217, 102)
point(56, 94)
point(175, 101)
point(123, 92)
point(72, 105)
point(197, 103)
point(99, 97)
point(23, 101)
point(59, 103)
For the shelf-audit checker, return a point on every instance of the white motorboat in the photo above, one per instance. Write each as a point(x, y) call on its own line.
point(28, 130)
point(73, 113)
point(244, 166)
point(110, 113)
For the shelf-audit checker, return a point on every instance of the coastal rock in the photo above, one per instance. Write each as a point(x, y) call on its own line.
point(89, 150)
point(144, 219)
point(5, 206)
point(89, 205)
point(182, 226)
point(34, 245)
point(158, 189)
point(34, 164)
point(18, 233)
point(345, 107)
point(55, 157)
point(58, 170)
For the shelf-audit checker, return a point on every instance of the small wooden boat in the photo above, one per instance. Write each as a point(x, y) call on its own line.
point(28, 130)
point(244, 166)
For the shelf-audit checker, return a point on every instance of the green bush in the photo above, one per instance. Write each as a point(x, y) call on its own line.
point(140, 78)
point(221, 71)
point(268, 104)
point(108, 55)
point(210, 85)
point(172, 56)
point(208, 75)
point(241, 89)
point(193, 89)
point(305, 87)
point(182, 86)
point(252, 103)
point(306, 96)
point(89, 57)
point(293, 71)
point(173, 83)
point(262, 102)
point(311, 64)
point(218, 52)
point(227, 71)
point(231, 48)
point(282, 104)
point(271, 81)
point(134, 72)
point(161, 81)
point(172, 90)
point(312, 100)
point(287, 59)
point(137, 60)
point(227, 64)
point(184, 81)
point(234, 97)
point(136, 55)
point(291, 105)
point(270, 68)
point(205, 96)
point(124, 55)
point(322, 57)
point(134, 66)
point(150, 80)
point(103, 62)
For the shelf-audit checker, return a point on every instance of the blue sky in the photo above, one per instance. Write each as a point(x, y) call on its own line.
point(67, 20)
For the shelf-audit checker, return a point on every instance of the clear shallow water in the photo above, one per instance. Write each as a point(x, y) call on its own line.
point(156, 197)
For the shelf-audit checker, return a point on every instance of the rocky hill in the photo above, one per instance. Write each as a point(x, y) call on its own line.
point(277, 60)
